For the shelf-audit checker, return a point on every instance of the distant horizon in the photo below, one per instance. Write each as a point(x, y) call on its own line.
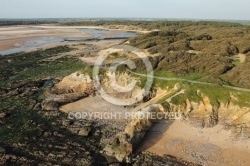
point(128, 18)
point(162, 9)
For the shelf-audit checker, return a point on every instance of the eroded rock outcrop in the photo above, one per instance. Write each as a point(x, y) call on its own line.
point(70, 89)
point(204, 114)
point(75, 83)
point(122, 146)
point(123, 87)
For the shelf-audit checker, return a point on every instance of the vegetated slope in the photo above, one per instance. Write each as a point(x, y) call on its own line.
point(240, 74)
point(205, 49)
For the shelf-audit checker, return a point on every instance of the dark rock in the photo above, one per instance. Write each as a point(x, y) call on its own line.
point(2, 150)
point(3, 91)
point(32, 104)
point(84, 131)
point(37, 106)
point(50, 105)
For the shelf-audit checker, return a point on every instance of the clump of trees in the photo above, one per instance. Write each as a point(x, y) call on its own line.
point(203, 37)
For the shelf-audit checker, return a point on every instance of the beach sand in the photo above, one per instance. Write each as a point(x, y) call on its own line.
point(206, 146)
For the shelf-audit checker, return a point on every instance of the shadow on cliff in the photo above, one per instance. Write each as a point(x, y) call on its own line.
point(154, 135)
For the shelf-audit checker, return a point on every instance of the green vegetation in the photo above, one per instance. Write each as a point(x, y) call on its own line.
point(8, 22)
point(154, 24)
point(216, 94)
point(35, 65)
point(236, 62)
point(199, 51)
point(87, 70)
point(151, 25)
point(51, 69)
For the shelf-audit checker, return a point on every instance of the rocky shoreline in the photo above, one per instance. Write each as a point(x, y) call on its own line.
point(31, 135)
point(37, 87)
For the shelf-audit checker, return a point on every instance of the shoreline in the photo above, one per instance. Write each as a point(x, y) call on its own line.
point(17, 39)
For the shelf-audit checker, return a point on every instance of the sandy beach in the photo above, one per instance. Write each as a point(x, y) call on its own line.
point(209, 146)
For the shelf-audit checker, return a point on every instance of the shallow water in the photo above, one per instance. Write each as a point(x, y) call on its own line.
point(97, 34)
point(32, 44)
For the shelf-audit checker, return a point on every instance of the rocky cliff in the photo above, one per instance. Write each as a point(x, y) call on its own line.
point(203, 114)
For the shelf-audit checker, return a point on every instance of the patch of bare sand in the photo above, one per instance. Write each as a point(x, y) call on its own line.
point(210, 146)
point(240, 57)
point(95, 105)
point(13, 43)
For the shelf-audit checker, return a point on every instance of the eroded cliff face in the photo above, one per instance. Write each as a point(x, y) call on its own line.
point(204, 114)
point(200, 114)
point(123, 87)
point(121, 147)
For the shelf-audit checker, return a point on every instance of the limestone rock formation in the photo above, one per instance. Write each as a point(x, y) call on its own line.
point(204, 114)
point(122, 146)
point(70, 89)
point(124, 86)
point(75, 83)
